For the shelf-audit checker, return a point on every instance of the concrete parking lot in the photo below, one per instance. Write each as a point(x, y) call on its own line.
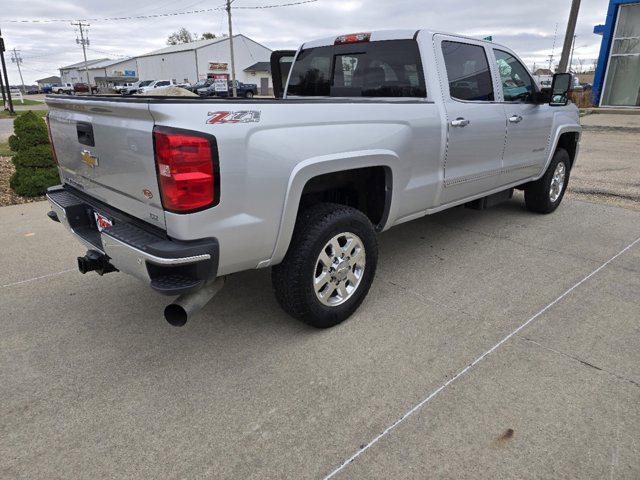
point(94, 384)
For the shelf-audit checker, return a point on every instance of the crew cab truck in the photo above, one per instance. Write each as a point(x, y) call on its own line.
point(368, 131)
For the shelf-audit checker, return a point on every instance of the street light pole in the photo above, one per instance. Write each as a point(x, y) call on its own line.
point(233, 63)
point(568, 36)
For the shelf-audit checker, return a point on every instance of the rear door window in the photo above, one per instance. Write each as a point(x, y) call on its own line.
point(468, 72)
point(368, 69)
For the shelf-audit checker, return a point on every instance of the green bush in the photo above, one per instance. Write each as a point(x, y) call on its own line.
point(29, 131)
point(33, 182)
point(14, 143)
point(34, 157)
point(35, 167)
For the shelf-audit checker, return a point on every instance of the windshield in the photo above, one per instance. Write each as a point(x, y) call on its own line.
point(389, 68)
point(146, 82)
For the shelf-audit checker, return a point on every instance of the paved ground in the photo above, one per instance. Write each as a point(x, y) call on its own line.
point(94, 384)
point(6, 129)
point(608, 168)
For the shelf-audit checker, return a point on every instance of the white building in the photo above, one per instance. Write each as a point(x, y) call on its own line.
point(190, 62)
point(75, 73)
point(108, 73)
point(187, 62)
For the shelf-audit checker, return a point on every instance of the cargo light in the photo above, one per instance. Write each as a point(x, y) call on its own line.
point(353, 38)
point(188, 172)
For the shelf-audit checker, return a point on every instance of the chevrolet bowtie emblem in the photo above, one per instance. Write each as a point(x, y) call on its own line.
point(89, 159)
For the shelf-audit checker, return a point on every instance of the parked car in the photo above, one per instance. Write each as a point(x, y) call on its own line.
point(245, 90)
point(48, 87)
point(180, 193)
point(199, 84)
point(135, 87)
point(81, 87)
point(63, 88)
point(120, 88)
point(156, 84)
point(32, 89)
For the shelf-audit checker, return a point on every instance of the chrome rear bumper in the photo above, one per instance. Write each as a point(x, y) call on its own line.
point(169, 266)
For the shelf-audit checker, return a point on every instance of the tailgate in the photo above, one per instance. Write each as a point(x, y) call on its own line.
point(105, 148)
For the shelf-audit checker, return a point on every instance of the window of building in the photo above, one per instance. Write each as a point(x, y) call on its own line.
point(468, 71)
point(622, 85)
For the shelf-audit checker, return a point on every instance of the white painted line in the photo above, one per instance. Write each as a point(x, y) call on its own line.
point(471, 365)
point(37, 278)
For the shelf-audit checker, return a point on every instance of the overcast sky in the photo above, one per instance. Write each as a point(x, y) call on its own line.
point(527, 27)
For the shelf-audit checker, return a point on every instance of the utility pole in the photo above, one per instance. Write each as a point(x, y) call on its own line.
point(17, 59)
point(568, 36)
point(233, 63)
point(573, 46)
point(84, 42)
point(6, 78)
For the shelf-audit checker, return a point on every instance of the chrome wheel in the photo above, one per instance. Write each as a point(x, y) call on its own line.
point(557, 182)
point(339, 269)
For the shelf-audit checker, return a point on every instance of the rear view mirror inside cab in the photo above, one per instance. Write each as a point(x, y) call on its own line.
point(560, 89)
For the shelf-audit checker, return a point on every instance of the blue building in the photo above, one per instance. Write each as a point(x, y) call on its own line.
point(617, 77)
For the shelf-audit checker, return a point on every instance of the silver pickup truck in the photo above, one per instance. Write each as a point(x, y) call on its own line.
point(367, 131)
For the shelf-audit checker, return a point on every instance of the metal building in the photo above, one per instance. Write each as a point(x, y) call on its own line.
point(617, 78)
point(190, 62)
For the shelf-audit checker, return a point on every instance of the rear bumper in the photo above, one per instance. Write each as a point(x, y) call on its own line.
point(169, 266)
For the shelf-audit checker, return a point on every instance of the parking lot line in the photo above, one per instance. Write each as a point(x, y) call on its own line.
point(433, 394)
point(37, 278)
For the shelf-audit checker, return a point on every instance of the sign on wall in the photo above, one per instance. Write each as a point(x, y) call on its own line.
point(220, 83)
point(129, 73)
point(218, 66)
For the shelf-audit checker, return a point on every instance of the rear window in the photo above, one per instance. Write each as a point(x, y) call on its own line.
point(369, 69)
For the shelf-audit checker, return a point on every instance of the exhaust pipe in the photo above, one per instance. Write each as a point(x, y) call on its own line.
point(188, 304)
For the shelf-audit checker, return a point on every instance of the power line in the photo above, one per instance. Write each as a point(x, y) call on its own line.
point(157, 15)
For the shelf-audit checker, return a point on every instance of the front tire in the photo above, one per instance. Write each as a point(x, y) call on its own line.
point(329, 267)
point(544, 195)
point(248, 95)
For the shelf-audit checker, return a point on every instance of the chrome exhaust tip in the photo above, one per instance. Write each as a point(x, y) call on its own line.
point(188, 304)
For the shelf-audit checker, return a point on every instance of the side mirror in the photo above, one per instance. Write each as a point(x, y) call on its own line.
point(560, 89)
point(281, 61)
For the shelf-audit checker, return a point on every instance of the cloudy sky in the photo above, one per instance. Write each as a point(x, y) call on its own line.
point(527, 27)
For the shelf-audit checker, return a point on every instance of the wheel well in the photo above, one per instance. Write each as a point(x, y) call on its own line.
point(367, 189)
point(569, 141)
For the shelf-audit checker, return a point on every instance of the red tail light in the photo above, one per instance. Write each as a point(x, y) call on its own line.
point(188, 174)
point(53, 149)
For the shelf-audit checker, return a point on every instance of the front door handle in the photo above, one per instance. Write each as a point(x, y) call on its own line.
point(515, 118)
point(460, 122)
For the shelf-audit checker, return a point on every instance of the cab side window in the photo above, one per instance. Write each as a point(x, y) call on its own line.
point(517, 84)
point(468, 72)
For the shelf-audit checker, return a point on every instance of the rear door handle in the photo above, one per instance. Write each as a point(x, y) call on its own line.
point(515, 118)
point(460, 122)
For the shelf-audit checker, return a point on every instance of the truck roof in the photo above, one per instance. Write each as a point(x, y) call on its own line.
point(399, 34)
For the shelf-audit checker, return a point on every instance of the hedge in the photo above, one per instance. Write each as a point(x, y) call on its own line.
point(36, 169)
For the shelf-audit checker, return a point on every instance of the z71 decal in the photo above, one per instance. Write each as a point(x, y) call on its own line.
point(243, 116)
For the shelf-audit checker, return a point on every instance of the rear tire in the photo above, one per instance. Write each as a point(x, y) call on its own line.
point(329, 267)
point(248, 95)
point(544, 195)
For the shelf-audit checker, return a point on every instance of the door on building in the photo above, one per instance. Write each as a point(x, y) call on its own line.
point(264, 86)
